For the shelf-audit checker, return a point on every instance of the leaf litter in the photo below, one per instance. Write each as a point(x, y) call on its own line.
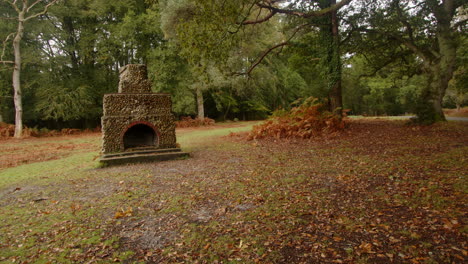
point(377, 192)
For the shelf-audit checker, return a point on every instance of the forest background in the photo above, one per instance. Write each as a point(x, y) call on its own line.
point(238, 59)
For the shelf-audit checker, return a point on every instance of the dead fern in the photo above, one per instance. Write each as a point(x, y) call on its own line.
point(187, 121)
point(8, 131)
point(308, 120)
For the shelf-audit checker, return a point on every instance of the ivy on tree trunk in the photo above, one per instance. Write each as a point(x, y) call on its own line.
point(330, 39)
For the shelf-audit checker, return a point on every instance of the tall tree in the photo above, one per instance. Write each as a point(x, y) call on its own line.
point(210, 29)
point(428, 29)
point(25, 11)
point(89, 41)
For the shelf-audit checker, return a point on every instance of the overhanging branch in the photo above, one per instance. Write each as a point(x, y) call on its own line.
point(13, 4)
point(376, 69)
point(40, 13)
point(8, 18)
point(268, 51)
point(32, 5)
point(426, 55)
point(258, 21)
point(269, 5)
point(265, 53)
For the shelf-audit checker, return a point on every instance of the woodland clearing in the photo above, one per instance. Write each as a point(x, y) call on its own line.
point(380, 191)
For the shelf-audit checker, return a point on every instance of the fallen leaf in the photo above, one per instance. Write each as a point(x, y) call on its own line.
point(123, 213)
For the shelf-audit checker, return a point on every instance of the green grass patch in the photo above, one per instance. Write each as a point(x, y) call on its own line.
point(54, 170)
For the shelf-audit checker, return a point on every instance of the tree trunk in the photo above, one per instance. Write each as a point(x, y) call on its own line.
point(336, 102)
point(438, 87)
point(200, 107)
point(226, 112)
point(440, 69)
point(448, 50)
point(71, 41)
point(16, 77)
point(332, 61)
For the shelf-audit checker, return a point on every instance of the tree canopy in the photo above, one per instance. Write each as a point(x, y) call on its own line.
point(237, 59)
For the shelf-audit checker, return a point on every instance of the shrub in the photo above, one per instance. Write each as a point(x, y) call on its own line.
point(187, 121)
point(309, 119)
point(6, 130)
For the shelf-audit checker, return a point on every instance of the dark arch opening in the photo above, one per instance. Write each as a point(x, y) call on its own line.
point(139, 135)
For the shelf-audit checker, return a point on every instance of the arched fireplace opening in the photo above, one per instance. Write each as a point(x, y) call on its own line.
point(139, 135)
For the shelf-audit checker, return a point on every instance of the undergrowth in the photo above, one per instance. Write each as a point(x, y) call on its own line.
point(8, 131)
point(187, 121)
point(309, 119)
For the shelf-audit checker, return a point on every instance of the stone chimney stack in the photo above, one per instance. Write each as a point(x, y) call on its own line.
point(134, 79)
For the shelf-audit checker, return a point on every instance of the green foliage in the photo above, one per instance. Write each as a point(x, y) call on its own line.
point(457, 92)
point(171, 74)
point(303, 58)
point(202, 27)
point(386, 92)
point(71, 57)
point(61, 103)
point(421, 36)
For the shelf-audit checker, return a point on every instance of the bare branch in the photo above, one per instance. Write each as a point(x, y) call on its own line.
point(249, 9)
point(43, 11)
point(268, 51)
point(265, 53)
point(281, 11)
point(8, 18)
point(13, 4)
point(257, 21)
point(32, 5)
point(4, 46)
point(7, 62)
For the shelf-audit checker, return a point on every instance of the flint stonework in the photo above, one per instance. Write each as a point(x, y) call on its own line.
point(134, 79)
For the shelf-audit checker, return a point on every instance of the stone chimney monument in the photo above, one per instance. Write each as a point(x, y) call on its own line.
point(137, 125)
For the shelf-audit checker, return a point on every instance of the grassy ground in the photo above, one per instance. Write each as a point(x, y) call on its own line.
point(380, 192)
